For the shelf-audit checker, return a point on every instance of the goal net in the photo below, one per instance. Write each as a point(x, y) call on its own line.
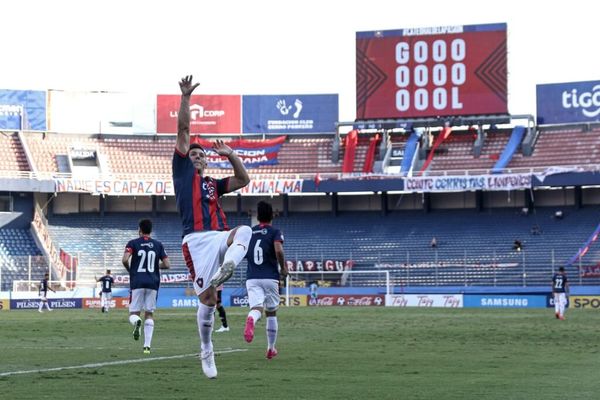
point(315, 283)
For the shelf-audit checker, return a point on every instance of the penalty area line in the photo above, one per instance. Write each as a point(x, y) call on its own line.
point(108, 363)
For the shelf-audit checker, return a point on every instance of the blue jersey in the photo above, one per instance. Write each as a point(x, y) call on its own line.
point(107, 281)
point(197, 197)
point(43, 287)
point(146, 254)
point(559, 281)
point(262, 261)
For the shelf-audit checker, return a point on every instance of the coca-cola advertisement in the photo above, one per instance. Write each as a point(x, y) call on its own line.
point(349, 300)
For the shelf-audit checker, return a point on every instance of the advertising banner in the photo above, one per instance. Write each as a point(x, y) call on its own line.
point(30, 304)
point(116, 187)
point(566, 103)
point(147, 187)
point(11, 117)
point(208, 113)
point(319, 265)
point(116, 302)
point(164, 278)
point(431, 72)
point(462, 183)
point(584, 302)
point(297, 300)
point(4, 304)
point(32, 109)
point(505, 301)
point(424, 300)
point(290, 114)
point(349, 300)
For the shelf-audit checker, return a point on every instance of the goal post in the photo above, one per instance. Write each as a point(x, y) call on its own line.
point(299, 281)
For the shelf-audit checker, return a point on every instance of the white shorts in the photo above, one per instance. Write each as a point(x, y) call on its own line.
point(560, 298)
point(106, 296)
point(203, 253)
point(263, 293)
point(143, 299)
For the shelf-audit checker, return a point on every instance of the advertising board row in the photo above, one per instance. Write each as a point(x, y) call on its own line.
point(340, 300)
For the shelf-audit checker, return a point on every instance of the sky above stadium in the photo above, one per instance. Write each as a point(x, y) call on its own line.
point(270, 47)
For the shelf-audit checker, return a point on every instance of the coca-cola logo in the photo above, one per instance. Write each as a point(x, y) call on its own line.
point(350, 300)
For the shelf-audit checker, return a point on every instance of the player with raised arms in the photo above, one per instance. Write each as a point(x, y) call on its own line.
point(210, 250)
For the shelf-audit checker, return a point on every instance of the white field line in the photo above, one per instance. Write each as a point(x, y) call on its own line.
point(105, 364)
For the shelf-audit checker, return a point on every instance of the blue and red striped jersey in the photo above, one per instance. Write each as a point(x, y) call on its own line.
point(197, 197)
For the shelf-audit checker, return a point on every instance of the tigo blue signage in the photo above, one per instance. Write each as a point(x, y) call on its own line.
point(562, 103)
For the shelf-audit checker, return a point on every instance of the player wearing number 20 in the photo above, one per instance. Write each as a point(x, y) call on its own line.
point(143, 257)
point(266, 265)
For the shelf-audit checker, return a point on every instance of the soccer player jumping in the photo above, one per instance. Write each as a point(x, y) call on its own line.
point(210, 250)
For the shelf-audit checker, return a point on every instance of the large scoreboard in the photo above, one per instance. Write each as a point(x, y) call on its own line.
point(431, 72)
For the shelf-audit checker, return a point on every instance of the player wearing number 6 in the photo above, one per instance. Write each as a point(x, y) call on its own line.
point(143, 258)
point(210, 250)
point(266, 265)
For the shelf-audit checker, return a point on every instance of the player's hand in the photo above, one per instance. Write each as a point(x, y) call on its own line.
point(186, 86)
point(221, 148)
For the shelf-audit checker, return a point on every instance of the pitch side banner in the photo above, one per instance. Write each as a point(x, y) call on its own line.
point(208, 113)
point(290, 114)
point(424, 300)
point(562, 103)
point(461, 183)
point(32, 109)
point(430, 72)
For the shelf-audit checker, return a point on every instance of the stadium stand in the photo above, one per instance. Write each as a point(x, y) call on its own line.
point(12, 155)
point(456, 152)
point(562, 147)
point(477, 254)
point(16, 245)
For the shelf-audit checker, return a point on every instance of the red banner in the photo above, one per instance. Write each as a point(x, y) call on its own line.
point(431, 72)
point(208, 113)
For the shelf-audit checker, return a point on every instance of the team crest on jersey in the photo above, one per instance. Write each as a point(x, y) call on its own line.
point(210, 190)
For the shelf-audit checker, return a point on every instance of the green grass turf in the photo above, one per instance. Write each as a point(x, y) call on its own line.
point(325, 353)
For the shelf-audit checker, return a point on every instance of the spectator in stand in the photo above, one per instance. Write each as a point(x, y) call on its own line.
point(536, 230)
point(517, 246)
point(433, 243)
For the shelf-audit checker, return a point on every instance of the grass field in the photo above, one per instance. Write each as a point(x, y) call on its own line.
point(325, 353)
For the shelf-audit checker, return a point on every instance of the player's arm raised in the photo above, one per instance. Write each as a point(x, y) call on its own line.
point(240, 176)
point(183, 117)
